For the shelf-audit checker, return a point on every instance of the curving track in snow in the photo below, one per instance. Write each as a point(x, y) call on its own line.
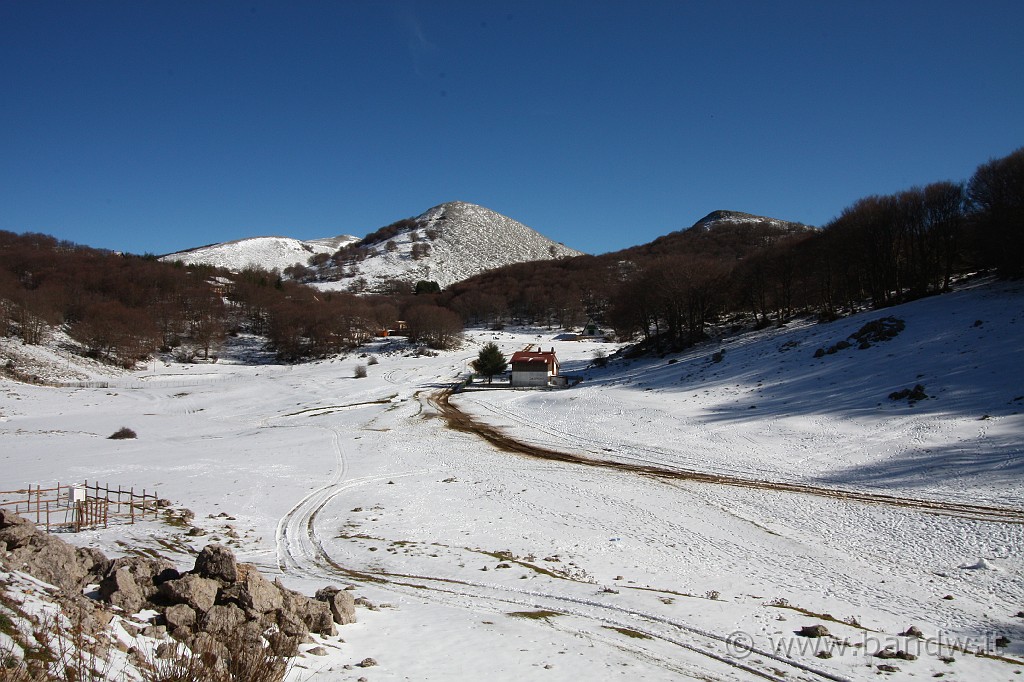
point(461, 421)
point(300, 549)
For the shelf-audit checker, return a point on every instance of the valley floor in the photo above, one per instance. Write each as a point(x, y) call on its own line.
point(489, 563)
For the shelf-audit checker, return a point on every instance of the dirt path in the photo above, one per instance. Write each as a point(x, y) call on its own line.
point(460, 421)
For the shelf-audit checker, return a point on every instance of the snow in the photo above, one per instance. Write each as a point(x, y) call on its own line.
point(268, 253)
point(485, 562)
point(471, 239)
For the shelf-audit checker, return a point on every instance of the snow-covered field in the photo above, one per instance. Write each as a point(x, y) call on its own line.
point(510, 567)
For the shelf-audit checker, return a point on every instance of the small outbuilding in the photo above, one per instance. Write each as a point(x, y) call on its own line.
point(534, 368)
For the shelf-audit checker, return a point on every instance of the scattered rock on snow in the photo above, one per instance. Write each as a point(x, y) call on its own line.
point(342, 604)
point(813, 631)
point(887, 654)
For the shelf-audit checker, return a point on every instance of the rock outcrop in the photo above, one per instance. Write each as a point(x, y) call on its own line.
point(215, 602)
point(46, 557)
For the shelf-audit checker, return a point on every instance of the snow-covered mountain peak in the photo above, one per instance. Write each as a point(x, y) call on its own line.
point(269, 253)
point(451, 242)
point(445, 244)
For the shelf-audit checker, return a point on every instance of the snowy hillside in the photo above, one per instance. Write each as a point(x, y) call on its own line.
point(690, 516)
point(456, 240)
point(446, 244)
point(268, 253)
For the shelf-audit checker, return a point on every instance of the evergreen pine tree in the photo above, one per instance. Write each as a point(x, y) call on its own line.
point(489, 362)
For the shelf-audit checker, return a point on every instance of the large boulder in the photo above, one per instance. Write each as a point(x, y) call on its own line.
point(222, 620)
point(46, 557)
point(315, 614)
point(199, 593)
point(342, 603)
point(132, 581)
point(217, 562)
point(120, 589)
point(291, 625)
point(252, 592)
point(96, 563)
point(180, 616)
point(14, 529)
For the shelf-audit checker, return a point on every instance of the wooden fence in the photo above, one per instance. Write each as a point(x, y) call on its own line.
point(80, 506)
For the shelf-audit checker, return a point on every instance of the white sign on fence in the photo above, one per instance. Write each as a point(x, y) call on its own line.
point(76, 494)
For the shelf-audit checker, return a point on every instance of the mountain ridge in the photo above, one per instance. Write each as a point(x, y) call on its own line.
point(445, 244)
point(268, 252)
point(720, 217)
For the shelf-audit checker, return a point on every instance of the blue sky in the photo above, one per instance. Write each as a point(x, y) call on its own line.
point(159, 126)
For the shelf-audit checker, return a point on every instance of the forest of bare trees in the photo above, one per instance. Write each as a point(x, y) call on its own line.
point(122, 308)
point(879, 251)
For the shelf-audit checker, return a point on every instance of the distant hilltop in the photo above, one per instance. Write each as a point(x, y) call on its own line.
point(446, 244)
point(715, 218)
point(269, 253)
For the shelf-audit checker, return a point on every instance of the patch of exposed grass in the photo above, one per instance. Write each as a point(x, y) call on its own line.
point(782, 603)
point(331, 408)
point(534, 615)
point(628, 632)
point(511, 558)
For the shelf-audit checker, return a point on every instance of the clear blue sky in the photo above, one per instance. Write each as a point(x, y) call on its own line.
point(161, 125)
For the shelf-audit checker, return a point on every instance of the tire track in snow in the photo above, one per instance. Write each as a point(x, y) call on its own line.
point(288, 527)
point(460, 421)
point(300, 549)
point(626, 451)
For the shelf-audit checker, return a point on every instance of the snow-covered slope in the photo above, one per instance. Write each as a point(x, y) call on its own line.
point(265, 252)
point(497, 565)
point(459, 240)
point(446, 244)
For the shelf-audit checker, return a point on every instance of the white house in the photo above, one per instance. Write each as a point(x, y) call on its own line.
point(534, 368)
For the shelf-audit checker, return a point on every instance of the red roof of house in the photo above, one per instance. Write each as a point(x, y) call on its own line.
point(534, 356)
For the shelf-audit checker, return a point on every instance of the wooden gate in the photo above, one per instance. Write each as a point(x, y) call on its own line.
point(91, 512)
